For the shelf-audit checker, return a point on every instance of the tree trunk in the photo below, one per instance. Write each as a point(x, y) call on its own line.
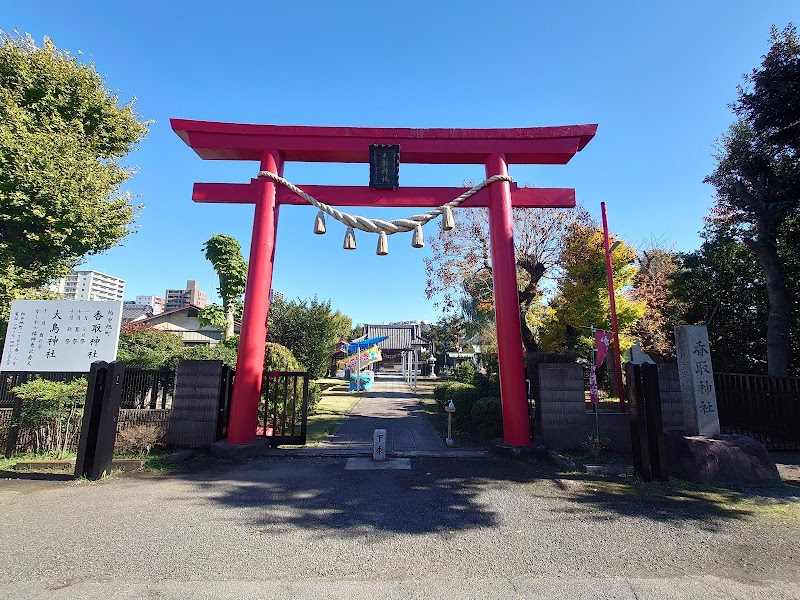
point(229, 308)
point(778, 300)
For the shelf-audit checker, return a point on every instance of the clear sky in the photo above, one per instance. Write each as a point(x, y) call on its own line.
point(656, 77)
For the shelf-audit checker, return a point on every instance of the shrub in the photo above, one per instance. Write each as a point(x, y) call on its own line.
point(139, 439)
point(51, 412)
point(280, 358)
point(464, 372)
point(487, 385)
point(463, 399)
point(216, 352)
point(487, 417)
point(443, 392)
point(145, 347)
point(314, 395)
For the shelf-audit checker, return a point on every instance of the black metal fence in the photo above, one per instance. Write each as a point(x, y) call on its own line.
point(141, 388)
point(148, 389)
point(283, 410)
point(762, 407)
point(11, 379)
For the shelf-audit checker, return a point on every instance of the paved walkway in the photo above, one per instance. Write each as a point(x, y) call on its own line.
point(390, 405)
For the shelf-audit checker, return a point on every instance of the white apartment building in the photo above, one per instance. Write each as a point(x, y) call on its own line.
point(191, 295)
point(90, 285)
point(157, 303)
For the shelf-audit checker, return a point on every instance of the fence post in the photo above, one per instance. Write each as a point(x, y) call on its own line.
point(655, 425)
point(101, 412)
point(639, 438)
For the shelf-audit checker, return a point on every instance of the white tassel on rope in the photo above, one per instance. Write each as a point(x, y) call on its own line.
point(319, 223)
point(383, 244)
point(448, 222)
point(416, 239)
point(349, 239)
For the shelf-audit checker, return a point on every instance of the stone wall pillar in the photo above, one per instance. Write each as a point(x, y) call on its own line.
point(195, 405)
point(563, 405)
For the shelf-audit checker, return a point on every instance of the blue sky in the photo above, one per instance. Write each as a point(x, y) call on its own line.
point(656, 77)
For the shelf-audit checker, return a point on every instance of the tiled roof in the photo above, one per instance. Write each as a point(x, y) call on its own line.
point(397, 337)
point(129, 314)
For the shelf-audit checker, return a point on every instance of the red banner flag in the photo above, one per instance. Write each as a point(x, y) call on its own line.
point(602, 340)
point(593, 393)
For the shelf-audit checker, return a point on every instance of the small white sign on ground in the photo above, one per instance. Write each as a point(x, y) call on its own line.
point(379, 444)
point(61, 335)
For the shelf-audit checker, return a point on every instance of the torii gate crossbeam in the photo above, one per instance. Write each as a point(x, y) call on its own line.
point(273, 145)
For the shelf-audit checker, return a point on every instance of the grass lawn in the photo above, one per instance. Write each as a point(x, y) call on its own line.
point(336, 402)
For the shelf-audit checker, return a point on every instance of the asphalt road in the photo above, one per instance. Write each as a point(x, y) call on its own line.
point(446, 528)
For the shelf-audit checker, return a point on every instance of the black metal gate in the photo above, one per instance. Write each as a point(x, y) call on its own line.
point(283, 410)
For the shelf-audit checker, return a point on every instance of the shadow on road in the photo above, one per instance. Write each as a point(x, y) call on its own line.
point(445, 495)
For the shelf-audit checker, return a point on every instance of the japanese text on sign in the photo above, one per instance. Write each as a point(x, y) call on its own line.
point(60, 335)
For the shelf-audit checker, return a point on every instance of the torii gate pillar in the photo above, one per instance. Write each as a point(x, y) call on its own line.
point(253, 338)
point(516, 425)
point(271, 145)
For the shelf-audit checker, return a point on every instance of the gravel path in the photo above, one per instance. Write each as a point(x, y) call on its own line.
point(300, 528)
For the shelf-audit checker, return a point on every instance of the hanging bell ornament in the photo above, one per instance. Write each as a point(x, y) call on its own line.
point(383, 244)
point(319, 223)
point(448, 223)
point(349, 239)
point(416, 239)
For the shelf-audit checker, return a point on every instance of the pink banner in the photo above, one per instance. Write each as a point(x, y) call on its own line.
point(602, 339)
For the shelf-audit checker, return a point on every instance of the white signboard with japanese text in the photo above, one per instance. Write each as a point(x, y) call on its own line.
point(61, 335)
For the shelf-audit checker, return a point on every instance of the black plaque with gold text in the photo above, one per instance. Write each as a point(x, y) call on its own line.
point(384, 166)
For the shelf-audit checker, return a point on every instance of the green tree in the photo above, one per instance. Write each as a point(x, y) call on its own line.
point(769, 98)
point(446, 335)
point(757, 179)
point(722, 286)
point(308, 328)
point(225, 254)
point(581, 298)
point(63, 135)
point(146, 347)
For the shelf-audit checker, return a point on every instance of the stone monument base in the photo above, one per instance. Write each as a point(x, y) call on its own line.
point(257, 448)
point(726, 458)
point(499, 447)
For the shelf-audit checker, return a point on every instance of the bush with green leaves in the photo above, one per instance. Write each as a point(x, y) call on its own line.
point(51, 413)
point(488, 385)
point(487, 417)
point(464, 372)
point(463, 399)
point(216, 352)
point(145, 347)
point(443, 392)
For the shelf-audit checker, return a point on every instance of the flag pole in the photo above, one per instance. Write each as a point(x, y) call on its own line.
point(613, 306)
point(595, 401)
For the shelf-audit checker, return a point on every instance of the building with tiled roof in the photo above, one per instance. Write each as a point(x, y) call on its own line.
point(399, 338)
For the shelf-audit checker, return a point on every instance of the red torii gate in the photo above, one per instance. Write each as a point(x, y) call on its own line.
point(273, 145)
